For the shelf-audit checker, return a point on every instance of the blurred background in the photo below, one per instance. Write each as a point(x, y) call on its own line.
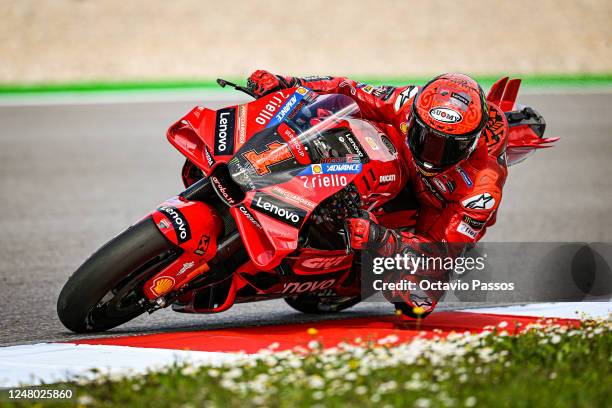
point(116, 40)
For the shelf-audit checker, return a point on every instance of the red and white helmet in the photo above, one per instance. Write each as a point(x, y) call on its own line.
point(448, 115)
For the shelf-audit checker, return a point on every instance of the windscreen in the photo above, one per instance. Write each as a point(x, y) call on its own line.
point(314, 131)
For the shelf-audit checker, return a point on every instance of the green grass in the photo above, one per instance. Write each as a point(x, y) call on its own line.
point(7, 89)
point(551, 366)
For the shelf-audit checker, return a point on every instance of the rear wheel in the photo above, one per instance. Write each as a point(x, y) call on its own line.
point(318, 305)
point(106, 290)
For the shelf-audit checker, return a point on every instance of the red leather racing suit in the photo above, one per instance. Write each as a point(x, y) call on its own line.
point(454, 206)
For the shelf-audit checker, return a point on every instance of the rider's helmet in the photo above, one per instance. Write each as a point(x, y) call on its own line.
point(448, 115)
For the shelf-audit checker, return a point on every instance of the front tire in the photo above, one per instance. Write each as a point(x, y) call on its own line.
point(106, 291)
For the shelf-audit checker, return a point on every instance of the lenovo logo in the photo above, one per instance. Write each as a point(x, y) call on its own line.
point(301, 287)
point(278, 209)
point(224, 131)
point(179, 222)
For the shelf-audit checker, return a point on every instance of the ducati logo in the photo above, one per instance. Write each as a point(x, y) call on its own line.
point(387, 178)
point(202, 245)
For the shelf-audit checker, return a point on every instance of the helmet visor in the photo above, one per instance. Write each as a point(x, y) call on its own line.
point(436, 151)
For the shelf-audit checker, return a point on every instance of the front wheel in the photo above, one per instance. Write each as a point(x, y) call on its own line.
point(106, 290)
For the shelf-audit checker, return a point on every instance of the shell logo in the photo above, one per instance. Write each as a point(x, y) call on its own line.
point(317, 169)
point(162, 285)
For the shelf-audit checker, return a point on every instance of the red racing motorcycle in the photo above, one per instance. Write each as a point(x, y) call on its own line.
point(268, 186)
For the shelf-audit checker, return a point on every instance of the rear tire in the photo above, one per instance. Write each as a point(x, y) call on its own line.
point(106, 290)
point(311, 304)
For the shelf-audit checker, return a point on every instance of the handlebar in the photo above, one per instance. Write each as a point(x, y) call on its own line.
point(223, 83)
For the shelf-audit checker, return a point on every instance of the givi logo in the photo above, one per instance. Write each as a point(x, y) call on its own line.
point(323, 263)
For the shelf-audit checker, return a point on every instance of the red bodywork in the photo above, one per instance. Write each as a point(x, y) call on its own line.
point(522, 139)
point(210, 139)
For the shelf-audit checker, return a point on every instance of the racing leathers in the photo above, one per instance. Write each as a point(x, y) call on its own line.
point(456, 205)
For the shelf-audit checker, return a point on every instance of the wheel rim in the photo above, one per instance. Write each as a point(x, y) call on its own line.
point(125, 299)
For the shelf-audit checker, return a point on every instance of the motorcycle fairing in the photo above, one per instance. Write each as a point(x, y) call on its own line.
point(277, 202)
point(301, 272)
point(309, 261)
point(526, 126)
point(307, 271)
point(269, 219)
point(208, 137)
point(194, 227)
point(282, 188)
point(274, 213)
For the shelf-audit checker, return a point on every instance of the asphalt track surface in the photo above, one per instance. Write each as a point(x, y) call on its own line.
point(73, 176)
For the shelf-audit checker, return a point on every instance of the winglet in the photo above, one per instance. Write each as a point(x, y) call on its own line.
point(510, 94)
point(497, 91)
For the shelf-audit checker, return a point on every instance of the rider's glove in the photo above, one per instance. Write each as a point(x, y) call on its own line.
point(366, 233)
point(262, 82)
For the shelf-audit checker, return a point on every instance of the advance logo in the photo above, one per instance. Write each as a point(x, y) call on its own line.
point(331, 168)
point(225, 124)
point(278, 209)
